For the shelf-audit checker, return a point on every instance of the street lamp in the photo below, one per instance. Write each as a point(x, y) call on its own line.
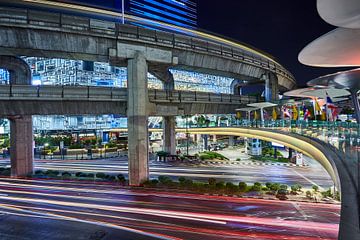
point(45, 145)
point(122, 11)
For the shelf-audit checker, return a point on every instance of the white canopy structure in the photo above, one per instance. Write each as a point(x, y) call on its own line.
point(340, 13)
point(262, 105)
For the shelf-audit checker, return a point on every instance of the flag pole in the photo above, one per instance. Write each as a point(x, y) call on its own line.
point(122, 11)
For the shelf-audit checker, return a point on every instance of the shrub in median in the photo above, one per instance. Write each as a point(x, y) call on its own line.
point(212, 181)
point(283, 187)
point(242, 186)
point(121, 179)
point(295, 189)
point(164, 180)
point(256, 187)
point(231, 188)
point(66, 175)
point(6, 172)
point(327, 194)
point(220, 186)
point(309, 194)
point(100, 175)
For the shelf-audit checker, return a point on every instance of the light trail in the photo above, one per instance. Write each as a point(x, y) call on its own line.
point(200, 217)
point(122, 191)
point(29, 213)
point(178, 215)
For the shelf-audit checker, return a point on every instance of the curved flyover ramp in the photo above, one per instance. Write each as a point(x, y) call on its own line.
point(342, 168)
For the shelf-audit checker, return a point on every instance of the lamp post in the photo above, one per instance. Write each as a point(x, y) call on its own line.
point(122, 11)
point(45, 145)
point(187, 135)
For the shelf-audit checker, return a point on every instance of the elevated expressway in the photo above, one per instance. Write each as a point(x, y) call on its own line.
point(17, 100)
point(26, 32)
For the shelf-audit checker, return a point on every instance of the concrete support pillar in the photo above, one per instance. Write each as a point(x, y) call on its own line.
point(21, 142)
point(138, 137)
point(231, 141)
point(169, 122)
point(21, 133)
point(355, 100)
point(169, 135)
point(198, 139)
point(271, 87)
point(206, 141)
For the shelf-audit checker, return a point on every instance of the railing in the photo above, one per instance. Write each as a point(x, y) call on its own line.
point(44, 92)
point(38, 19)
point(345, 136)
point(91, 93)
point(200, 97)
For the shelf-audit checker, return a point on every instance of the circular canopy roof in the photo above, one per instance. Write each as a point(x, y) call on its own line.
point(262, 104)
point(338, 48)
point(246, 109)
point(341, 13)
point(347, 79)
point(317, 92)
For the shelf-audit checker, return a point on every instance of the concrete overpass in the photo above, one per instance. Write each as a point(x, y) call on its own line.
point(56, 35)
point(18, 100)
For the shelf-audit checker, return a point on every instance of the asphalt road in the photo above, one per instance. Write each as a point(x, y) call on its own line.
point(31, 209)
point(314, 174)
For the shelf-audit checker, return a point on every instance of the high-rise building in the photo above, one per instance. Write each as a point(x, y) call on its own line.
point(182, 13)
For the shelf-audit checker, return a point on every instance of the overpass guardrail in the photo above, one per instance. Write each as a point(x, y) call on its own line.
point(345, 136)
point(65, 92)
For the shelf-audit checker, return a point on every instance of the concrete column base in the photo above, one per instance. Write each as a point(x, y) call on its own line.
point(169, 135)
point(21, 142)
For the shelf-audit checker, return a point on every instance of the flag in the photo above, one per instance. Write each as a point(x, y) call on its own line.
point(295, 112)
point(331, 108)
point(329, 102)
point(255, 115)
point(274, 114)
point(323, 116)
point(317, 106)
point(286, 112)
point(306, 111)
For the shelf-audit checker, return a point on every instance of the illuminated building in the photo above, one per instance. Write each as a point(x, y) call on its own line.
point(182, 13)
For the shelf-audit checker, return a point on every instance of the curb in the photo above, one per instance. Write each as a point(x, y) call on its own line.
point(257, 164)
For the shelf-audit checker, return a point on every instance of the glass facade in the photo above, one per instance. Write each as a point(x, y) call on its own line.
point(74, 72)
point(4, 76)
point(182, 13)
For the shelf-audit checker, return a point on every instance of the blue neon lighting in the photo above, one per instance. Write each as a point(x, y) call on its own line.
point(170, 8)
point(179, 4)
point(153, 16)
point(163, 12)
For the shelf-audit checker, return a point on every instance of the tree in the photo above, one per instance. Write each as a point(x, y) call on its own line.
point(212, 181)
point(242, 186)
point(256, 187)
point(315, 188)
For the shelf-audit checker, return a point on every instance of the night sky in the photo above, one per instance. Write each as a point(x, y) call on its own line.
point(279, 27)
